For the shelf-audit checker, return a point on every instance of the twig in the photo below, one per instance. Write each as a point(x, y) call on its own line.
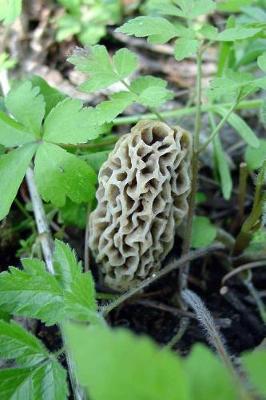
point(242, 268)
point(171, 266)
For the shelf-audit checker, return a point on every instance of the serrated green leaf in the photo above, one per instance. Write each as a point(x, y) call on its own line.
point(42, 382)
point(27, 105)
point(185, 48)
point(50, 382)
point(51, 95)
point(80, 300)
point(107, 110)
point(211, 382)
point(10, 10)
point(262, 62)
point(255, 157)
point(70, 123)
point(65, 263)
point(13, 167)
point(151, 91)
point(125, 63)
point(254, 363)
point(60, 174)
point(240, 126)
point(203, 232)
point(12, 133)
point(143, 26)
point(193, 8)
point(96, 63)
point(237, 33)
point(16, 343)
point(222, 167)
point(161, 375)
point(32, 293)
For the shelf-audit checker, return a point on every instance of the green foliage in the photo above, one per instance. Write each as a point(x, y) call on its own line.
point(102, 69)
point(255, 157)
point(27, 106)
point(211, 382)
point(35, 293)
point(203, 233)
point(13, 167)
point(10, 10)
point(59, 174)
point(160, 377)
point(42, 381)
point(222, 168)
point(18, 344)
point(6, 62)
point(88, 19)
point(254, 363)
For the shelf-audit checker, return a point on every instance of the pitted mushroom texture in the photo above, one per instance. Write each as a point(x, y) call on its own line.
point(142, 197)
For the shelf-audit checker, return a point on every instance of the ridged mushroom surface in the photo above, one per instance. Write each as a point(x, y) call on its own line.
point(142, 198)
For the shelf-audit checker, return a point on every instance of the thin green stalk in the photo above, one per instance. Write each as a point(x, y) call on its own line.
point(218, 127)
point(184, 270)
point(183, 112)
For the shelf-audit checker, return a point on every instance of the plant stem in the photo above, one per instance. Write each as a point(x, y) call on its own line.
point(242, 189)
point(218, 127)
point(183, 112)
point(184, 271)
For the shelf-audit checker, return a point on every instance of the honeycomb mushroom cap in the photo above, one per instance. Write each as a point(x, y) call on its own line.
point(142, 198)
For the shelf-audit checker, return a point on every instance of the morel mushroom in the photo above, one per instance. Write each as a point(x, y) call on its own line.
point(142, 197)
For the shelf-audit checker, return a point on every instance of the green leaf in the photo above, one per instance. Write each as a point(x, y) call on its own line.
point(60, 174)
point(103, 71)
point(263, 113)
point(16, 343)
point(208, 31)
point(73, 214)
point(51, 95)
point(262, 62)
point(27, 105)
point(161, 375)
point(151, 91)
point(42, 382)
point(107, 110)
point(70, 123)
point(222, 167)
point(125, 63)
point(203, 232)
point(240, 126)
point(32, 293)
point(96, 159)
point(185, 48)
point(193, 8)
point(13, 167)
point(230, 85)
point(80, 292)
point(255, 157)
point(233, 5)
point(158, 29)
point(254, 363)
point(10, 10)
point(237, 33)
point(211, 382)
point(12, 133)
